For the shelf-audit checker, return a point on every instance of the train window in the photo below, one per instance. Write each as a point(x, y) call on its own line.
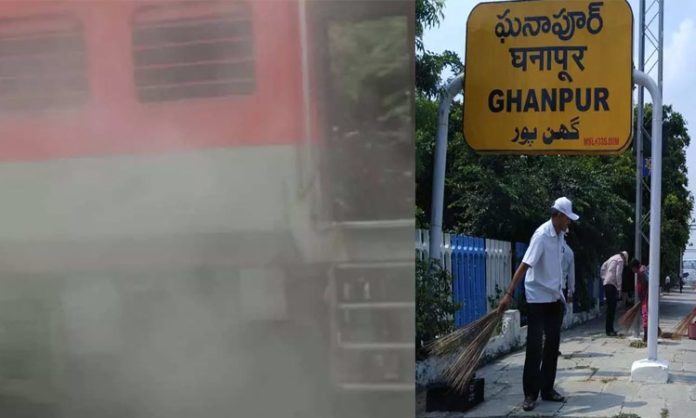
point(42, 63)
point(193, 50)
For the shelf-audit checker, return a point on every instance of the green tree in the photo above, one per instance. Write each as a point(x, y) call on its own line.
point(677, 200)
point(429, 65)
point(429, 69)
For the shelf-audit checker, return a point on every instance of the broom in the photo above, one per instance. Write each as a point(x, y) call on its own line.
point(628, 319)
point(683, 325)
point(469, 343)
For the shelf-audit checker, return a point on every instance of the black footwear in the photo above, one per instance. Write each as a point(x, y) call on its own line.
point(553, 396)
point(612, 334)
point(528, 403)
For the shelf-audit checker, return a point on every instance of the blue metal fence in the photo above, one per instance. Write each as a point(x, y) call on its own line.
point(465, 257)
point(469, 278)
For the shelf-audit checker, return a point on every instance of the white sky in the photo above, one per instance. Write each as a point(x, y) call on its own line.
point(679, 77)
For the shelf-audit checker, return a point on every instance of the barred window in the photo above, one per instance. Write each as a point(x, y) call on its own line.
point(42, 63)
point(193, 50)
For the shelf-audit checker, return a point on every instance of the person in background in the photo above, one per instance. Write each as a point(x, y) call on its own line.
point(568, 265)
point(667, 284)
point(642, 293)
point(612, 277)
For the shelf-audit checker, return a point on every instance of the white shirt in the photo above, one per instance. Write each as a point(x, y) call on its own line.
point(542, 283)
point(568, 265)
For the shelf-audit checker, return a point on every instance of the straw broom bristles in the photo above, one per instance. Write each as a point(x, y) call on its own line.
point(462, 369)
point(683, 325)
point(469, 342)
point(453, 342)
point(629, 318)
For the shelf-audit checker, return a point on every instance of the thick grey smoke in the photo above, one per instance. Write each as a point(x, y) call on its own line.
point(270, 280)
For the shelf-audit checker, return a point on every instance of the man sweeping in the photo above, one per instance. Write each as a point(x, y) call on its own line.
point(542, 269)
point(612, 278)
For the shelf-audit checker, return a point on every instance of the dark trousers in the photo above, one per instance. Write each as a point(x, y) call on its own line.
point(541, 360)
point(612, 295)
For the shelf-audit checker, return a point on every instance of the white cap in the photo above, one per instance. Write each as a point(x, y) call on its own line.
point(565, 206)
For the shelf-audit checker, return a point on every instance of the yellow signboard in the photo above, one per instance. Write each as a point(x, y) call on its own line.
point(549, 76)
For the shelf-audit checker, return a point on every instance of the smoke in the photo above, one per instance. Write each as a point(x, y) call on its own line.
point(157, 264)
